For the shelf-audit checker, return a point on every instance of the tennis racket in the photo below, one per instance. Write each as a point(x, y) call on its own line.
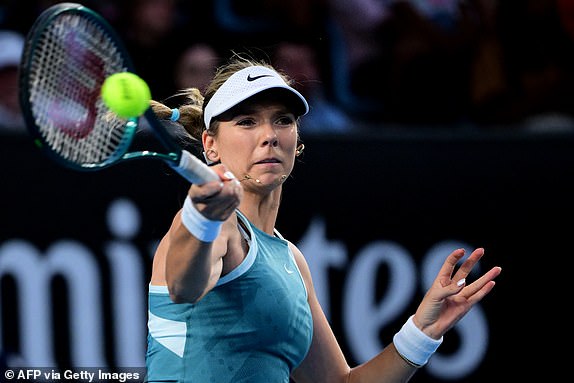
point(69, 52)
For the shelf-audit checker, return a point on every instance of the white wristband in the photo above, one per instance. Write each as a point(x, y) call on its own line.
point(202, 228)
point(414, 345)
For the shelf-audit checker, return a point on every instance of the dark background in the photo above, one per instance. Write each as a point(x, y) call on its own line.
point(509, 194)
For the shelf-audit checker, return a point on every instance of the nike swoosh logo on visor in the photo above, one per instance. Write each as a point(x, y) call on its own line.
point(249, 78)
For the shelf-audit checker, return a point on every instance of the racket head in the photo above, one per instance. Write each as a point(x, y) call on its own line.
point(69, 52)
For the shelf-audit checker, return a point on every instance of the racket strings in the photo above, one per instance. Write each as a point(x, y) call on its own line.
point(72, 58)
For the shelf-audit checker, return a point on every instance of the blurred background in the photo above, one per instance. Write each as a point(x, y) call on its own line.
point(434, 124)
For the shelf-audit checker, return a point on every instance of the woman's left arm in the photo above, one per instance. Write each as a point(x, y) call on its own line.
point(444, 304)
point(325, 361)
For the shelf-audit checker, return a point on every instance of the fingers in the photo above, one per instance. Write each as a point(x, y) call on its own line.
point(453, 284)
point(445, 272)
point(452, 296)
point(228, 185)
point(478, 289)
point(465, 269)
point(474, 291)
point(217, 199)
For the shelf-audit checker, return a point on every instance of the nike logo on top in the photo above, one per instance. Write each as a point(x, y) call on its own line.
point(249, 78)
point(287, 269)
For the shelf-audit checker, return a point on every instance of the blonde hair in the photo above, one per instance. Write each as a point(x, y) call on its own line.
point(190, 112)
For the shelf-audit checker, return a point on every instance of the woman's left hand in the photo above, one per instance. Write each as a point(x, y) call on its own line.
point(450, 297)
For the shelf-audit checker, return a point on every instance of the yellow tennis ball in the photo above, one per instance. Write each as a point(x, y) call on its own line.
point(126, 94)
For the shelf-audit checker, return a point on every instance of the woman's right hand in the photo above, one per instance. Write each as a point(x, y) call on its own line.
point(217, 200)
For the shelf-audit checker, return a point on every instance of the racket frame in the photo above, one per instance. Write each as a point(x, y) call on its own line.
point(121, 153)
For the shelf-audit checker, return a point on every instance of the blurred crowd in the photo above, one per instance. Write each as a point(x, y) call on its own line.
point(362, 64)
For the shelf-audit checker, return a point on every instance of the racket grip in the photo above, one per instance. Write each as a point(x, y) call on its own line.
point(194, 170)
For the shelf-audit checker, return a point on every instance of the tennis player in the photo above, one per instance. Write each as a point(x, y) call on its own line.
point(230, 299)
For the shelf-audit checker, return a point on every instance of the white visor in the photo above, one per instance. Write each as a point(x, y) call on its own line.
point(244, 84)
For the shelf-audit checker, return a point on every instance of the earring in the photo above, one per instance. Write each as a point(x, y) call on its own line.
point(299, 150)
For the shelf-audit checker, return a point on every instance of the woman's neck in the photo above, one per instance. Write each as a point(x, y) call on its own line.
point(261, 210)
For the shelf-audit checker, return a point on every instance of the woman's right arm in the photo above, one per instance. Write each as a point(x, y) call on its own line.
point(194, 247)
point(192, 267)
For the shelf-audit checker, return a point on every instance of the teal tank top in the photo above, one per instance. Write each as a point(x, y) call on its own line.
point(254, 326)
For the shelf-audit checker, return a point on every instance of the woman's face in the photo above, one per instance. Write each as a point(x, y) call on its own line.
point(258, 143)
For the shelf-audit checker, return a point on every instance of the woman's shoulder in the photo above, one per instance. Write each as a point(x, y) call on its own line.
point(298, 255)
